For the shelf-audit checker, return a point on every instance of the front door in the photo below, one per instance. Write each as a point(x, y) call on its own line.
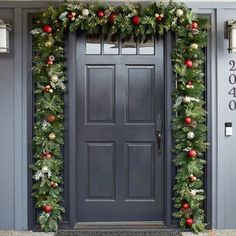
point(120, 102)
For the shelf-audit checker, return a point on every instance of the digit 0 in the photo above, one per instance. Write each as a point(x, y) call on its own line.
point(232, 105)
point(232, 79)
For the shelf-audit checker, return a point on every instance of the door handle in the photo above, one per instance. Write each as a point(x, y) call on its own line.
point(158, 132)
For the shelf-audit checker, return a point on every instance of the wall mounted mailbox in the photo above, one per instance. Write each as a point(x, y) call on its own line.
point(4, 37)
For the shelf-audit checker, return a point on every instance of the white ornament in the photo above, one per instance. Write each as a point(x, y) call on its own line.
point(187, 99)
point(45, 125)
point(49, 174)
point(161, 15)
point(189, 86)
point(51, 58)
point(38, 175)
point(54, 79)
point(187, 149)
point(36, 31)
point(156, 15)
point(45, 169)
point(193, 192)
point(178, 102)
point(190, 135)
point(85, 12)
point(194, 46)
point(179, 12)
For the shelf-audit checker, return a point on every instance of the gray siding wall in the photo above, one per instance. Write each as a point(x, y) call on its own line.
point(7, 86)
point(13, 116)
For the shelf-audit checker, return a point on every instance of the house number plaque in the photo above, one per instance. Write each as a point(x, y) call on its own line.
point(232, 82)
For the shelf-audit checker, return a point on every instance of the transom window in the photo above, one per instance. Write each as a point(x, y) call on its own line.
point(98, 44)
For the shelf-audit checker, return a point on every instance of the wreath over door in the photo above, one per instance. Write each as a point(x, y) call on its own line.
point(189, 117)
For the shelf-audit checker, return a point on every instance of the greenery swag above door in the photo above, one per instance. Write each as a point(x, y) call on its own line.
point(189, 116)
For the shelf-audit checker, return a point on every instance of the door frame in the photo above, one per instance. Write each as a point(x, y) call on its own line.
point(69, 173)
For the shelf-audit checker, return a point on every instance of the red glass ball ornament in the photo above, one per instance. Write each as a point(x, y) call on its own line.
point(187, 120)
point(46, 88)
point(51, 118)
point(189, 222)
point(112, 17)
point(54, 185)
point(47, 29)
point(47, 209)
point(185, 205)
point(47, 154)
point(192, 153)
point(194, 25)
point(188, 63)
point(49, 62)
point(158, 18)
point(69, 16)
point(100, 14)
point(136, 20)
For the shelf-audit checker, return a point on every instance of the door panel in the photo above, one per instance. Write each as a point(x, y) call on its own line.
point(140, 159)
point(119, 172)
point(100, 169)
point(100, 86)
point(140, 94)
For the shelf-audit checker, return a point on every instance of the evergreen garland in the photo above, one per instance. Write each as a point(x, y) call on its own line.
point(189, 129)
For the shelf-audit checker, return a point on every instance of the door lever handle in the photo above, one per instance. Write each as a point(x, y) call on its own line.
point(158, 133)
point(158, 137)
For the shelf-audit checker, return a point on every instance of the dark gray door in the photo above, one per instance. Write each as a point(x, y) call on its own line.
point(120, 99)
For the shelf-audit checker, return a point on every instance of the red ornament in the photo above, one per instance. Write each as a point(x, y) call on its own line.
point(159, 18)
point(51, 118)
point(185, 205)
point(46, 88)
point(112, 17)
point(194, 25)
point(49, 62)
point(193, 178)
point(47, 29)
point(188, 63)
point(187, 120)
point(69, 16)
point(100, 14)
point(47, 208)
point(136, 20)
point(192, 153)
point(47, 155)
point(189, 222)
point(54, 185)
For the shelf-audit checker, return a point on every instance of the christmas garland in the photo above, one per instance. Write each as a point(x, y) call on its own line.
point(189, 130)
